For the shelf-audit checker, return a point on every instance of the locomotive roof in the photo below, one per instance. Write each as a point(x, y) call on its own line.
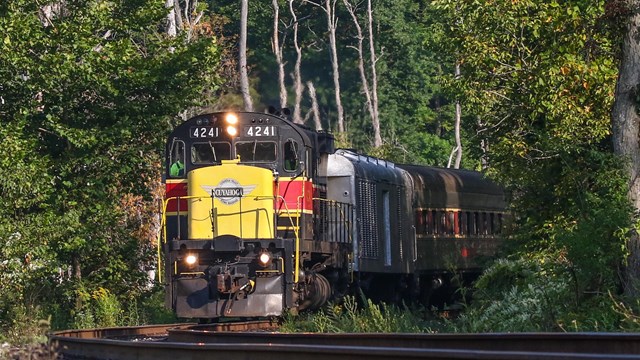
point(322, 141)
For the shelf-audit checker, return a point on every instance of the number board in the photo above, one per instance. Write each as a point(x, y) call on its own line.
point(260, 131)
point(204, 132)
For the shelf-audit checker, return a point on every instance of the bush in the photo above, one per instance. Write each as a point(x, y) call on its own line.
point(527, 294)
point(596, 313)
point(348, 317)
point(518, 295)
point(101, 308)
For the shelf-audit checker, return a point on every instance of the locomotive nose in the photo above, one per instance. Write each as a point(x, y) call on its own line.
point(231, 199)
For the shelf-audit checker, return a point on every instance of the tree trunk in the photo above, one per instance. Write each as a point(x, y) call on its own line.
point(178, 13)
point(375, 119)
point(363, 75)
point(277, 51)
point(244, 76)
point(314, 105)
point(171, 19)
point(77, 277)
point(437, 126)
point(332, 24)
point(297, 77)
point(625, 126)
point(457, 125)
point(50, 11)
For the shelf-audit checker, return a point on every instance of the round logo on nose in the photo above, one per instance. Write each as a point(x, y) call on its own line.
point(228, 191)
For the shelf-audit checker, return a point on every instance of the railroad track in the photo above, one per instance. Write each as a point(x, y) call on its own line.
point(256, 340)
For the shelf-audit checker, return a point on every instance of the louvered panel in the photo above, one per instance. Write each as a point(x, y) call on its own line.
point(334, 221)
point(369, 219)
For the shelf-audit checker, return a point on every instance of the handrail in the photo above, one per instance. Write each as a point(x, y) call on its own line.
point(296, 272)
point(415, 244)
point(163, 221)
point(342, 214)
point(296, 227)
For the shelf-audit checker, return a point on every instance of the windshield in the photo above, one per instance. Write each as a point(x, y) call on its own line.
point(210, 152)
point(256, 151)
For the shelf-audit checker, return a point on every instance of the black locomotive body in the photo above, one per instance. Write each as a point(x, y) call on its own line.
point(263, 215)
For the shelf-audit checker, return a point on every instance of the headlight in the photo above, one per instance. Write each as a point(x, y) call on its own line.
point(191, 260)
point(231, 119)
point(264, 259)
point(231, 130)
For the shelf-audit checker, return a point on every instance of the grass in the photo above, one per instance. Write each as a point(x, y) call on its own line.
point(352, 316)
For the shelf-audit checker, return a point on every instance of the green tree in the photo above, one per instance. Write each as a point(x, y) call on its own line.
point(88, 92)
point(540, 77)
point(415, 112)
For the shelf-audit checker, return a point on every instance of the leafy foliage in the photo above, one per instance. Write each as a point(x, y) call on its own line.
point(540, 77)
point(535, 294)
point(87, 93)
point(520, 295)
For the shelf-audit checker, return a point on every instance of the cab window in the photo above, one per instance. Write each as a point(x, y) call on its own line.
point(210, 152)
point(291, 162)
point(176, 159)
point(256, 151)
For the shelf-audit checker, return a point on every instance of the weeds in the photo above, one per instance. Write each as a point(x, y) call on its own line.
point(349, 317)
point(29, 326)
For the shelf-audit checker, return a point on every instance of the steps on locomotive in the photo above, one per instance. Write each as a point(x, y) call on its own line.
point(289, 220)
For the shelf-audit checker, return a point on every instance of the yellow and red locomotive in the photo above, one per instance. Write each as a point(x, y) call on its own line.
point(263, 215)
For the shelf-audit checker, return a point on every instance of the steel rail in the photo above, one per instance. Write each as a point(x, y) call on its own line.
point(602, 343)
point(218, 342)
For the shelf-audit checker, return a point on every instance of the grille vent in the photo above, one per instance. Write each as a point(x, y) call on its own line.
point(368, 220)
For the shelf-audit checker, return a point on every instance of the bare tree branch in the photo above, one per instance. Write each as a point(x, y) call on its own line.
point(329, 7)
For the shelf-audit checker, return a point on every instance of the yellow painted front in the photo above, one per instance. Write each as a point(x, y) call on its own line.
point(249, 216)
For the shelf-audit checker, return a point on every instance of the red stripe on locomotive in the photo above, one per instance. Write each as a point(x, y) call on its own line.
point(291, 192)
point(175, 189)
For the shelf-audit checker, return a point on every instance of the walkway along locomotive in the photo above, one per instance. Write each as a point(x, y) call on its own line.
point(262, 215)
